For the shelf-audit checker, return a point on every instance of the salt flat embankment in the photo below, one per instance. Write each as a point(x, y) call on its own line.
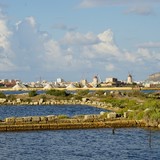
point(69, 124)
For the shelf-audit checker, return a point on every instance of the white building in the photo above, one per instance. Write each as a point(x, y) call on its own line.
point(60, 80)
point(84, 82)
point(129, 79)
point(111, 80)
point(95, 81)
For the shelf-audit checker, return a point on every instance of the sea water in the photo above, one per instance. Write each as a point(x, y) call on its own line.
point(44, 110)
point(78, 144)
point(87, 144)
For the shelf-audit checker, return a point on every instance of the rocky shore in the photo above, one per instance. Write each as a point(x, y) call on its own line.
point(107, 119)
point(84, 101)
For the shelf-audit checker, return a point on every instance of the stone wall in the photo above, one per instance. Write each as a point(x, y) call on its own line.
point(97, 104)
point(65, 124)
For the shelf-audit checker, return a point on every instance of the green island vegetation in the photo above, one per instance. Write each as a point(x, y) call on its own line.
point(57, 93)
point(32, 93)
point(136, 104)
point(2, 95)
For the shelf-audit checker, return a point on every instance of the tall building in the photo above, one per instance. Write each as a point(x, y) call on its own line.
point(84, 82)
point(95, 81)
point(60, 80)
point(129, 79)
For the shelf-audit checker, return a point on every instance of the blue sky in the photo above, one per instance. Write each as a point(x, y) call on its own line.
point(78, 39)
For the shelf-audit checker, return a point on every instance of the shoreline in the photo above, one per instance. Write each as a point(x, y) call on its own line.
point(74, 89)
point(69, 123)
point(96, 104)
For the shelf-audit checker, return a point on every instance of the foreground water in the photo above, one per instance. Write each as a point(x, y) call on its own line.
point(69, 110)
point(92, 144)
point(87, 144)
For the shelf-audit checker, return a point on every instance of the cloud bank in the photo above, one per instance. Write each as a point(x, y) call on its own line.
point(25, 50)
point(139, 7)
point(6, 53)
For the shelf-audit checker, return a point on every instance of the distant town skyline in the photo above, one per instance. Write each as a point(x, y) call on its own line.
point(78, 39)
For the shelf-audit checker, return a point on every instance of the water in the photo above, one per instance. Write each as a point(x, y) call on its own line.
point(21, 92)
point(91, 144)
point(82, 144)
point(69, 110)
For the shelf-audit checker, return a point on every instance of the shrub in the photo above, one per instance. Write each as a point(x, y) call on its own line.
point(44, 97)
point(11, 97)
point(77, 97)
point(132, 115)
point(2, 95)
point(62, 116)
point(136, 94)
point(54, 92)
point(155, 116)
point(28, 100)
point(32, 93)
point(104, 115)
point(82, 92)
point(140, 115)
point(99, 93)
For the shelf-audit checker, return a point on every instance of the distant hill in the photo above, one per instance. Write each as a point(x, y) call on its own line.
point(154, 77)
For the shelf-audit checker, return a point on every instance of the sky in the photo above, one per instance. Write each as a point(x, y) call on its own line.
point(78, 39)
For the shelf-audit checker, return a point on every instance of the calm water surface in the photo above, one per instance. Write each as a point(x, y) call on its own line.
point(91, 144)
point(87, 144)
point(69, 110)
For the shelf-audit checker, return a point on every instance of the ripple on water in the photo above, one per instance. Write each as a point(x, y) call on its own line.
point(69, 110)
point(90, 144)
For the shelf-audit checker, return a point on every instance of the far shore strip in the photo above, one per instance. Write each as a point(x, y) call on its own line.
point(74, 89)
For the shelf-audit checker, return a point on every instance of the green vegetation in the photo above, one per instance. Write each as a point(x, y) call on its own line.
point(28, 100)
point(99, 93)
point(138, 105)
point(77, 97)
point(32, 93)
point(62, 116)
point(61, 93)
point(83, 92)
point(11, 97)
point(44, 97)
point(80, 94)
point(136, 94)
point(121, 103)
point(153, 114)
point(2, 95)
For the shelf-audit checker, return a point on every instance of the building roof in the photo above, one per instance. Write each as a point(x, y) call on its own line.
point(19, 86)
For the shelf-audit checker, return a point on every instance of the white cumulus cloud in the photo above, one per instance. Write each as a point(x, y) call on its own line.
point(110, 67)
point(28, 51)
point(76, 38)
point(6, 53)
point(149, 45)
point(107, 44)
